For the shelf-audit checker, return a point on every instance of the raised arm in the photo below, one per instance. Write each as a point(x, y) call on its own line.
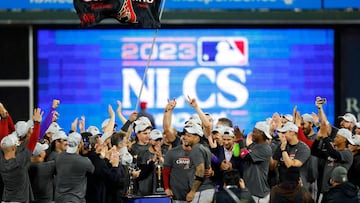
point(204, 120)
point(169, 131)
point(37, 117)
point(49, 117)
point(119, 112)
point(108, 131)
point(5, 127)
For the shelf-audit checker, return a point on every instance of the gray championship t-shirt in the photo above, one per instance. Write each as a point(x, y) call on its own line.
point(301, 152)
point(71, 177)
point(200, 154)
point(14, 173)
point(256, 171)
point(179, 161)
point(42, 180)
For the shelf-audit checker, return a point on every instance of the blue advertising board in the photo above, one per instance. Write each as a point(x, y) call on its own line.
point(243, 4)
point(37, 4)
point(176, 4)
point(341, 4)
point(243, 74)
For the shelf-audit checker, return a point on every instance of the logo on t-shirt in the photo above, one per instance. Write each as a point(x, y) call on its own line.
point(183, 162)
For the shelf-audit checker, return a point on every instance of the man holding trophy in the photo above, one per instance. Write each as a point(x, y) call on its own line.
point(150, 163)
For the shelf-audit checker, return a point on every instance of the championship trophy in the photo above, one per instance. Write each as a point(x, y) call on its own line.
point(159, 180)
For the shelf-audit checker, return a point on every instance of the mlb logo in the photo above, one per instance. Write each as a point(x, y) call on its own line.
point(223, 51)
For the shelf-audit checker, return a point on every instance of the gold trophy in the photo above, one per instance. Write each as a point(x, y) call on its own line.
point(159, 180)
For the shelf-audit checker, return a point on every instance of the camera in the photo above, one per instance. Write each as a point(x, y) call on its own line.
point(322, 101)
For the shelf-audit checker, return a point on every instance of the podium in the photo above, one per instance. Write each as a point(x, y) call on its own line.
point(148, 199)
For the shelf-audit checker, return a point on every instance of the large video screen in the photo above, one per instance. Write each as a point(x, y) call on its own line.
point(243, 74)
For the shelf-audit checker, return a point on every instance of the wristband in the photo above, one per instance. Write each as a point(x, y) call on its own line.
point(198, 178)
point(283, 150)
point(244, 153)
point(126, 126)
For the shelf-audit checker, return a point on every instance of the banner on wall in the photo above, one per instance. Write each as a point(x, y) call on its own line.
point(243, 74)
point(177, 4)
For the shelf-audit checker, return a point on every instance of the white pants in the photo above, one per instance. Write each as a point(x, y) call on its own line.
point(265, 199)
point(205, 196)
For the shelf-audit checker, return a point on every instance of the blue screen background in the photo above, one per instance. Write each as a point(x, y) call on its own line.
point(279, 68)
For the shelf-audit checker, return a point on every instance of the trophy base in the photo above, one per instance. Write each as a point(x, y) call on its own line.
point(160, 190)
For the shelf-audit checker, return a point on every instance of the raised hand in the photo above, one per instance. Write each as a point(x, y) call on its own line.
point(294, 113)
point(239, 134)
point(192, 102)
point(249, 140)
point(37, 117)
point(111, 111)
point(119, 108)
point(170, 105)
point(3, 111)
point(74, 124)
point(275, 122)
point(318, 102)
point(55, 103)
point(297, 119)
point(133, 116)
point(82, 124)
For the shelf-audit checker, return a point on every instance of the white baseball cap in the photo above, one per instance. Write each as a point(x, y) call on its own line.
point(39, 148)
point(141, 124)
point(22, 128)
point(156, 134)
point(349, 117)
point(289, 126)
point(53, 128)
point(195, 119)
point(264, 127)
point(193, 128)
point(307, 117)
point(59, 135)
point(288, 117)
point(346, 133)
point(356, 140)
point(9, 140)
point(219, 129)
point(228, 131)
point(73, 141)
point(93, 130)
